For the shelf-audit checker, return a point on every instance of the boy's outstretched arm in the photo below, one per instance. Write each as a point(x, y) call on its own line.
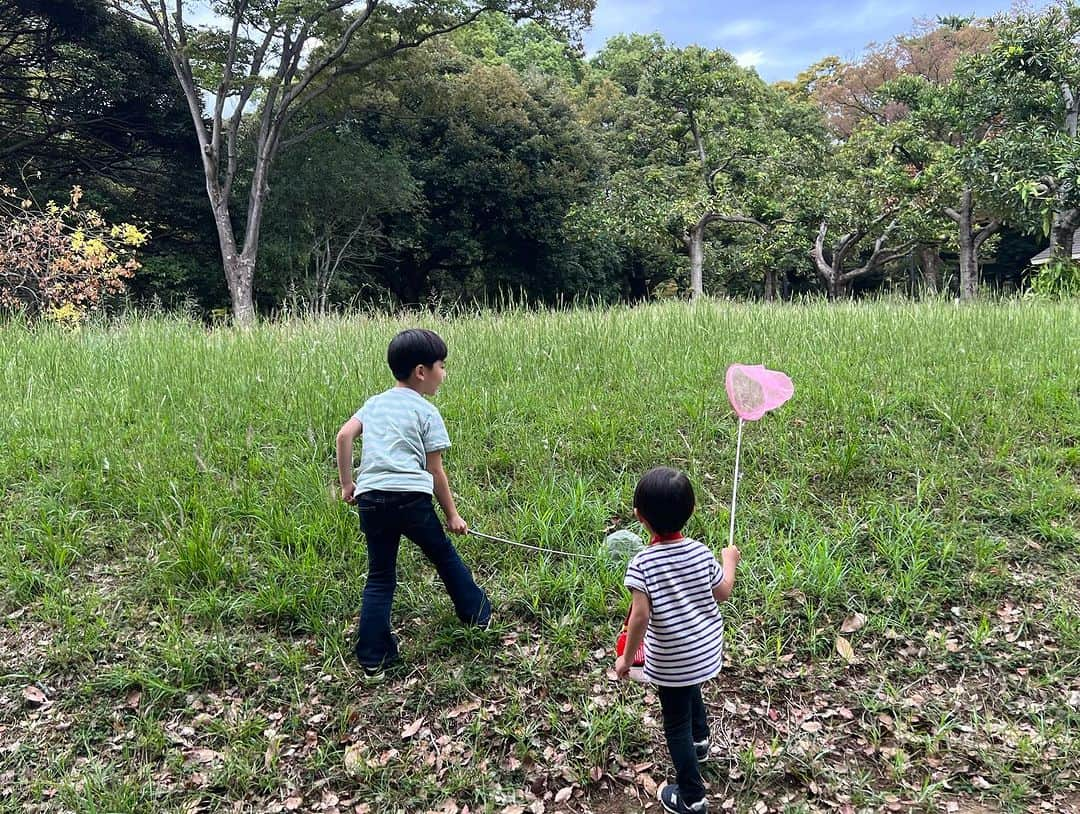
point(345, 437)
point(729, 559)
point(640, 610)
point(442, 493)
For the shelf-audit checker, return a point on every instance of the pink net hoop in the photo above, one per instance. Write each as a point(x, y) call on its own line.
point(753, 390)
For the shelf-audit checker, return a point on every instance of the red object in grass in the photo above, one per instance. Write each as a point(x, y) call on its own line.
point(620, 646)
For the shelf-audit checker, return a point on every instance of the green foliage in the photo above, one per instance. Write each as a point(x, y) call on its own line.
point(525, 46)
point(1058, 279)
point(693, 139)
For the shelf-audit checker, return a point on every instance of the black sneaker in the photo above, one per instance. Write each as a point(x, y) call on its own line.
point(377, 675)
point(672, 801)
point(701, 748)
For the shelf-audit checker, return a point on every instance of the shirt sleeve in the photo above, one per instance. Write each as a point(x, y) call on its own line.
point(635, 577)
point(717, 572)
point(436, 438)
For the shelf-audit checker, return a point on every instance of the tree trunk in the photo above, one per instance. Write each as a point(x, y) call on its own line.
point(695, 245)
point(930, 263)
point(240, 273)
point(1061, 234)
point(770, 285)
point(969, 262)
point(1066, 221)
point(238, 266)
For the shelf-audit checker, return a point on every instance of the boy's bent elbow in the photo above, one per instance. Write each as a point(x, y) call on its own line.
point(349, 430)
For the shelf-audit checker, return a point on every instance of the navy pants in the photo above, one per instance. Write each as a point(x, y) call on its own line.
point(685, 722)
point(384, 518)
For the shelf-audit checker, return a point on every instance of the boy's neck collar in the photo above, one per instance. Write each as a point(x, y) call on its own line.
point(666, 538)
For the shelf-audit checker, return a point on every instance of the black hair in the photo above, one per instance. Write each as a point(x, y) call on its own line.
point(665, 498)
point(413, 347)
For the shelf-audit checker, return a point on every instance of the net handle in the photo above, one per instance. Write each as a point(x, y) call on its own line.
point(735, 485)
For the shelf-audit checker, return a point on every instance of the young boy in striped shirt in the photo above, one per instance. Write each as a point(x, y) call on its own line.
point(400, 470)
point(675, 584)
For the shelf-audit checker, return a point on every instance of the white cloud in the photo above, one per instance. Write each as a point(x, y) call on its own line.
point(740, 29)
point(751, 58)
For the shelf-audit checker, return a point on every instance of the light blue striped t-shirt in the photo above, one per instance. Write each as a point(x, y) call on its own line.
point(400, 428)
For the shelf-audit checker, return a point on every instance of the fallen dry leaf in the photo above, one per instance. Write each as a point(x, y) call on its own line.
point(273, 748)
point(293, 803)
point(412, 728)
point(563, 794)
point(34, 696)
point(354, 757)
point(647, 783)
point(461, 709)
point(843, 647)
point(853, 623)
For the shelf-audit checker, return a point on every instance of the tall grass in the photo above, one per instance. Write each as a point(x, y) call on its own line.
point(185, 477)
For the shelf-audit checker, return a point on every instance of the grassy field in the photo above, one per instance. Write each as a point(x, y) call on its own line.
point(178, 582)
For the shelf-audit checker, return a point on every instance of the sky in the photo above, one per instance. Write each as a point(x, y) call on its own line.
point(777, 37)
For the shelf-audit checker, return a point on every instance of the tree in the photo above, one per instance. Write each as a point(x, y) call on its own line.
point(501, 162)
point(72, 114)
point(943, 139)
point(702, 142)
point(327, 225)
point(55, 121)
point(865, 218)
point(526, 46)
point(921, 88)
point(277, 59)
point(1037, 62)
point(848, 92)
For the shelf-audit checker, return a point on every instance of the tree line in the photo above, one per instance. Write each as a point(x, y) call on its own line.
point(332, 153)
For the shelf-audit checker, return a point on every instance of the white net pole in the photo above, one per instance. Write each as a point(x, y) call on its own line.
point(735, 485)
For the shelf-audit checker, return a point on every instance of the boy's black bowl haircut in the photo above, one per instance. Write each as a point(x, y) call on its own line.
point(416, 346)
point(665, 498)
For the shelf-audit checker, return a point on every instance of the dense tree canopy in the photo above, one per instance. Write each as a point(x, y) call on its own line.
point(355, 156)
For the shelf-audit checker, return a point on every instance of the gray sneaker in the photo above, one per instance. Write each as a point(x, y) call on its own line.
point(701, 748)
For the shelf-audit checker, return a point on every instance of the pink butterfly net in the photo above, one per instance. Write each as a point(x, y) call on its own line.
point(753, 390)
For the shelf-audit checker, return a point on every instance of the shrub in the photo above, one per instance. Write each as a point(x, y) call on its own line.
point(61, 261)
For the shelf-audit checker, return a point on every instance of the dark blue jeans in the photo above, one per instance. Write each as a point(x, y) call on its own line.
point(685, 722)
point(384, 518)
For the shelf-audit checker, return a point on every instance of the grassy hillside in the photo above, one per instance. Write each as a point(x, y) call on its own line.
point(178, 582)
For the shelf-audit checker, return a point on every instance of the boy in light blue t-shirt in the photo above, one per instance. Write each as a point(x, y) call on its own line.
point(400, 470)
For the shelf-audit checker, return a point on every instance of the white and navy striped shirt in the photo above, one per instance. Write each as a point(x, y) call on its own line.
point(685, 638)
point(400, 428)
